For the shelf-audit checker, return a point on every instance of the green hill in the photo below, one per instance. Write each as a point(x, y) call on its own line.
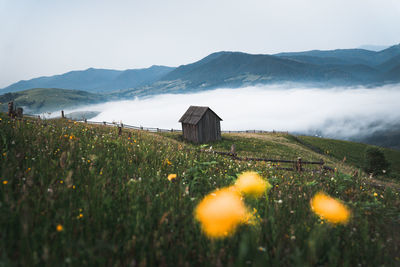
point(350, 152)
point(49, 99)
point(78, 194)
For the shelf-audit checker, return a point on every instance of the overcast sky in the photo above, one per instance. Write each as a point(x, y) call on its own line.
point(47, 37)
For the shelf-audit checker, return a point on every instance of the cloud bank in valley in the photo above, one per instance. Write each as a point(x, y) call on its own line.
point(336, 112)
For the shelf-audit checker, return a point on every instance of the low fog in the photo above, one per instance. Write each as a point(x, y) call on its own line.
point(337, 112)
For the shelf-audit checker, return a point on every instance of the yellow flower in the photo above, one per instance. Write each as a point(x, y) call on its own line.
point(329, 208)
point(59, 228)
point(168, 162)
point(61, 182)
point(80, 216)
point(5, 182)
point(251, 183)
point(171, 177)
point(220, 212)
point(375, 194)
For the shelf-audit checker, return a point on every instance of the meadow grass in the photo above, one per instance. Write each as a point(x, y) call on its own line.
point(78, 194)
point(353, 153)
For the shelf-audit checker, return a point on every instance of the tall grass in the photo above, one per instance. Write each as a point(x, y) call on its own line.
point(111, 196)
point(353, 153)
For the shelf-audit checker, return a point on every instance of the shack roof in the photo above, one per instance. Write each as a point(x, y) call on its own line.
point(194, 114)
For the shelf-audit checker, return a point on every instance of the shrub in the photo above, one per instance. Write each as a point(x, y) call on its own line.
point(375, 161)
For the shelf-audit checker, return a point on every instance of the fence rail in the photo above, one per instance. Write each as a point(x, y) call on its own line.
point(298, 164)
point(154, 129)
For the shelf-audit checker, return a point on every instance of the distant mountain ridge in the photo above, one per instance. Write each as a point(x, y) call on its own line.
point(94, 80)
point(340, 67)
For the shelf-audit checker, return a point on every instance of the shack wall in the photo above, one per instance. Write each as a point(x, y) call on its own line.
point(190, 132)
point(209, 128)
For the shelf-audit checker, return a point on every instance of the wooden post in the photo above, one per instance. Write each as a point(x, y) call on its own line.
point(85, 120)
point(62, 114)
point(119, 130)
point(20, 112)
point(233, 150)
point(299, 165)
point(10, 108)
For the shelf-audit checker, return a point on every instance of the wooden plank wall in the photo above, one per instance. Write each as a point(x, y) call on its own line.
point(190, 132)
point(209, 128)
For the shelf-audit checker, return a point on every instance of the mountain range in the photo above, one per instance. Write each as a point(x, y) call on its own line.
point(94, 80)
point(341, 67)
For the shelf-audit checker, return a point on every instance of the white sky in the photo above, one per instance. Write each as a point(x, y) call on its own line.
point(47, 37)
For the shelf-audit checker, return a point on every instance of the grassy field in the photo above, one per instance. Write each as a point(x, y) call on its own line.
point(350, 152)
point(76, 194)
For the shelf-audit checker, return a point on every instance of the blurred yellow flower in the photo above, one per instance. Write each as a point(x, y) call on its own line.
point(171, 177)
point(5, 182)
point(251, 183)
point(329, 208)
point(220, 212)
point(375, 194)
point(59, 228)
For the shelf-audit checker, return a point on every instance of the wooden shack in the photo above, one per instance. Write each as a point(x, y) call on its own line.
point(201, 125)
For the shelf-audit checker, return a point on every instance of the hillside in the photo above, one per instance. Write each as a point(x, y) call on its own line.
point(49, 99)
point(73, 193)
point(350, 152)
point(94, 80)
point(341, 67)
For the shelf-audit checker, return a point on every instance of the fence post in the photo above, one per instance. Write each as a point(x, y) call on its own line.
point(105, 123)
point(119, 130)
point(233, 150)
point(10, 108)
point(62, 114)
point(20, 112)
point(85, 120)
point(299, 165)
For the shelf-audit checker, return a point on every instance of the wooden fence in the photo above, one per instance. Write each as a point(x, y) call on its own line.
point(154, 130)
point(297, 164)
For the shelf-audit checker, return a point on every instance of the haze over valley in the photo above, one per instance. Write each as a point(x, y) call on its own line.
point(341, 113)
